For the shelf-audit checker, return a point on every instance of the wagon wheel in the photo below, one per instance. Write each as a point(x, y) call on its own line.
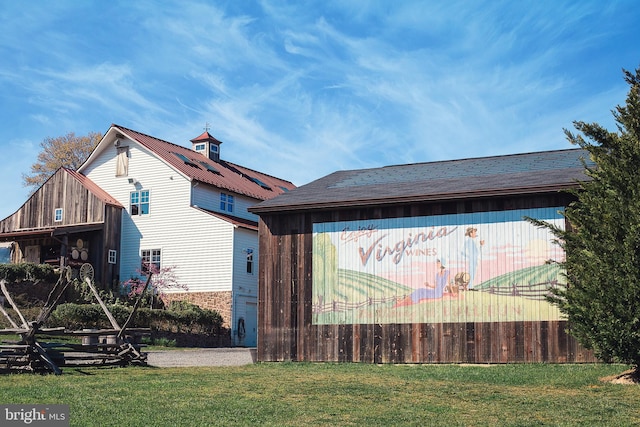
point(68, 273)
point(86, 271)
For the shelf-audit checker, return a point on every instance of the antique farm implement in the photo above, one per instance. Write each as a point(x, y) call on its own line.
point(115, 346)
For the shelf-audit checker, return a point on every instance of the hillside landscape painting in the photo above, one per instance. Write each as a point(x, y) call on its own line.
point(428, 276)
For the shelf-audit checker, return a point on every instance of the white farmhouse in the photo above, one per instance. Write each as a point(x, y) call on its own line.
point(186, 209)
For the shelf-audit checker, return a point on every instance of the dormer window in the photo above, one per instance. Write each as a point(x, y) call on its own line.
point(214, 148)
point(200, 148)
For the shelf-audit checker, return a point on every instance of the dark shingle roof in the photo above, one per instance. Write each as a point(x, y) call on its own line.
point(454, 179)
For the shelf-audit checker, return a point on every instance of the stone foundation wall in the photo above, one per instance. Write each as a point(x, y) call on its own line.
point(218, 301)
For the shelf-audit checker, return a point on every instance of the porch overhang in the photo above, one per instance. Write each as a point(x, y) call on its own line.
point(25, 234)
point(50, 232)
point(73, 229)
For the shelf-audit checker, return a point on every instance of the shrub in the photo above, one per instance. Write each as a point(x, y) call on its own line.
point(195, 318)
point(79, 316)
point(27, 271)
point(181, 318)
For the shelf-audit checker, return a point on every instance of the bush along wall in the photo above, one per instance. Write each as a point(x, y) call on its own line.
point(26, 271)
point(184, 324)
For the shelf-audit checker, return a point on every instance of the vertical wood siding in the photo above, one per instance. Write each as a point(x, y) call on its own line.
point(79, 206)
point(286, 329)
point(61, 191)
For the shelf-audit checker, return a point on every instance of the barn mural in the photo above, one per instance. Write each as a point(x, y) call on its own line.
point(420, 263)
point(473, 267)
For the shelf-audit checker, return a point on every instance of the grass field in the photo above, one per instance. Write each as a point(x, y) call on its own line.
point(301, 394)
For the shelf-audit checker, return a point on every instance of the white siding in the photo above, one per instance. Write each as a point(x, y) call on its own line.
point(198, 245)
point(208, 197)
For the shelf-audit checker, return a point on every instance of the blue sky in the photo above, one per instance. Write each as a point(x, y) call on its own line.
point(302, 89)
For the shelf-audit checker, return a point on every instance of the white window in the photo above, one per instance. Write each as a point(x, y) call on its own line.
point(200, 147)
point(112, 256)
point(150, 260)
point(139, 202)
point(57, 215)
point(213, 148)
point(226, 202)
point(249, 261)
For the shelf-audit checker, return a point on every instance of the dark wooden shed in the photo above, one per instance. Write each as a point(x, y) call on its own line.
point(69, 220)
point(419, 263)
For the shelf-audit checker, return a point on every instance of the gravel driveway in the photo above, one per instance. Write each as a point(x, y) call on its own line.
point(201, 357)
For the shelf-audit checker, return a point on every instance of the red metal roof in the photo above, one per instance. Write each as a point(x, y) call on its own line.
point(221, 174)
point(237, 221)
point(93, 188)
point(205, 136)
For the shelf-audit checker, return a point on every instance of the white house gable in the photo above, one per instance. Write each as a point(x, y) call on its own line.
point(187, 213)
point(160, 219)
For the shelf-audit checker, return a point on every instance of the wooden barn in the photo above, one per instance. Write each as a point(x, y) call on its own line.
point(70, 221)
point(419, 263)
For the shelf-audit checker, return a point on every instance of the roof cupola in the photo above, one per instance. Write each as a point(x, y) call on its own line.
point(207, 145)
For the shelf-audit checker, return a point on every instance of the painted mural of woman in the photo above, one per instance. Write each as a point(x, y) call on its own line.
point(471, 251)
point(429, 291)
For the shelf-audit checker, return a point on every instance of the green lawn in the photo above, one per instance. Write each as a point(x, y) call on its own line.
point(305, 394)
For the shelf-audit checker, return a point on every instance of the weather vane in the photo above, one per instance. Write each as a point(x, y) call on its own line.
point(207, 127)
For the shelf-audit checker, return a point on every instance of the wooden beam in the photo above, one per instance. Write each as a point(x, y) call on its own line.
point(14, 324)
point(112, 319)
point(3, 285)
point(45, 357)
point(135, 306)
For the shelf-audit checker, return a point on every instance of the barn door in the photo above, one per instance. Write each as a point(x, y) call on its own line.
point(32, 254)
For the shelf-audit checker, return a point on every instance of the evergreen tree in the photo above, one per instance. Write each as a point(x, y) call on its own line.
point(602, 240)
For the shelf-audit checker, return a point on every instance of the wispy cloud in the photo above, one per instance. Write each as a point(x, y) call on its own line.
point(301, 90)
